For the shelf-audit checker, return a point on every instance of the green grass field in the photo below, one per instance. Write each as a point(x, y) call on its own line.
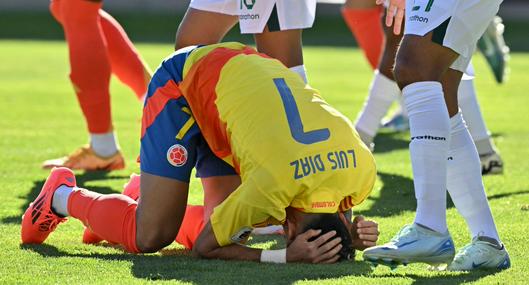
point(40, 119)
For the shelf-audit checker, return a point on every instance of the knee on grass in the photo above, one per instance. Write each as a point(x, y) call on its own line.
point(154, 240)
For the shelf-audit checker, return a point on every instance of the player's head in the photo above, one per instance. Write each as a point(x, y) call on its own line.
point(299, 222)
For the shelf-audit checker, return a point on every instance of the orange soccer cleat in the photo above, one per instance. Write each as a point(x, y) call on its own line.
point(85, 158)
point(39, 220)
point(131, 189)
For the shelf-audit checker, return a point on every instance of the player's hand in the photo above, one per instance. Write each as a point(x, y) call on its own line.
point(324, 249)
point(365, 233)
point(394, 14)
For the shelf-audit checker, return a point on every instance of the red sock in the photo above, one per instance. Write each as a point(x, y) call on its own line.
point(89, 61)
point(366, 26)
point(126, 62)
point(55, 9)
point(191, 226)
point(111, 217)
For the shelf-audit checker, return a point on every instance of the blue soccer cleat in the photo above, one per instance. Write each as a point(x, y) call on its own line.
point(413, 244)
point(397, 123)
point(480, 254)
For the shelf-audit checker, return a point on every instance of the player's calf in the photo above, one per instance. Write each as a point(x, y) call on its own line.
point(131, 189)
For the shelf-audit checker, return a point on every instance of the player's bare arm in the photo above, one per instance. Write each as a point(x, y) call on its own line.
point(323, 249)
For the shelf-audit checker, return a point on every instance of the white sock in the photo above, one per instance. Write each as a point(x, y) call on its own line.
point(382, 92)
point(104, 145)
point(300, 69)
point(59, 203)
point(464, 182)
point(430, 138)
point(468, 102)
point(485, 146)
point(403, 109)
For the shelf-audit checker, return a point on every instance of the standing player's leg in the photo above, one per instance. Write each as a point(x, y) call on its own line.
point(125, 60)
point(284, 45)
point(429, 68)
point(468, 194)
point(90, 76)
point(491, 162)
point(363, 17)
point(382, 92)
point(493, 47)
point(363, 20)
point(465, 185)
point(197, 25)
point(277, 27)
point(421, 65)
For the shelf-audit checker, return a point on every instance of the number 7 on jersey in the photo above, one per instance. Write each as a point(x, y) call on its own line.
point(294, 119)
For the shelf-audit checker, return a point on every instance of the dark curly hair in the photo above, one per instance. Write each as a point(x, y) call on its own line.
point(332, 222)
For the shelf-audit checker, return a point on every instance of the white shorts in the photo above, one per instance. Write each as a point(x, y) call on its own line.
point(456, 24)
point(254, 15)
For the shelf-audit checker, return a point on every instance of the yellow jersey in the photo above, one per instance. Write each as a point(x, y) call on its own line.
point(290, 147)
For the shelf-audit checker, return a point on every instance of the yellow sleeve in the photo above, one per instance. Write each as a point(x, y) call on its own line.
point(202, 51)
point(247, 207)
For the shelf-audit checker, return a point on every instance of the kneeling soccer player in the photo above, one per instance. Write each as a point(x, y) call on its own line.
point(299, 160)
